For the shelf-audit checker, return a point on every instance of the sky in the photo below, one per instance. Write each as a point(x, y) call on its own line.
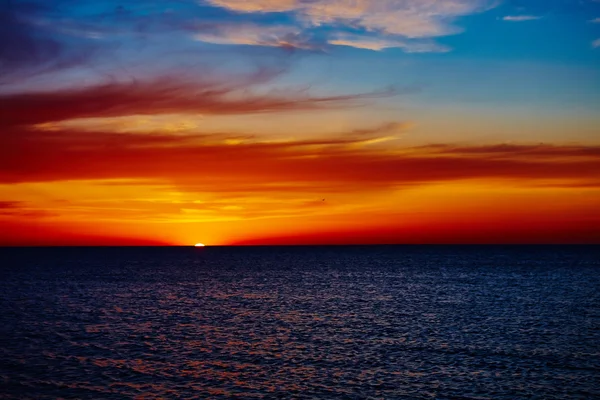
point(241, 122)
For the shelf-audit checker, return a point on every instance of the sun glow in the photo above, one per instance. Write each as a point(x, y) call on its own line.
point(199, 245)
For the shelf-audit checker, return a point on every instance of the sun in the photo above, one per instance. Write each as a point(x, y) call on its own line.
point(199, 245)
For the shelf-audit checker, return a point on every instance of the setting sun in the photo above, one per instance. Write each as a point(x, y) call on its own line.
point(199, 245)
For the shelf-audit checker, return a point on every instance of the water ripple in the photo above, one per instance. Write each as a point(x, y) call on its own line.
point(348, 323)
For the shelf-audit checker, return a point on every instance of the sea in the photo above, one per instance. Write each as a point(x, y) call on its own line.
point(305, 322)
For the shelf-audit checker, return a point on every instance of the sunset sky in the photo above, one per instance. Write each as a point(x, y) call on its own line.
point(299, 121)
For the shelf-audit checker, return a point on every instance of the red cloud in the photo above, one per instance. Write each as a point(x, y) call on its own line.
point(28, 155)
point(213, 95)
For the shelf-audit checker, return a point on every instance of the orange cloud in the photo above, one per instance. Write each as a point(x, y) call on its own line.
point(347, 161)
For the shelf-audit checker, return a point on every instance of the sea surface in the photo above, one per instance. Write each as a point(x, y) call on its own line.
point(377, 322)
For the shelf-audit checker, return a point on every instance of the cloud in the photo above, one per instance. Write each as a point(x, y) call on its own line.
point(9, 205)
point(393, 127)
point(22, 209)
point(253, 34)
point(292, 37)
point(350, 161)
point(409, 18)
point(596, 43)
point(214, 94)
point(514, 150)
point(521, 18)
point(257, 5)
point(378, 44)
point(385, 23)
point(595, 21)
point(38, 37)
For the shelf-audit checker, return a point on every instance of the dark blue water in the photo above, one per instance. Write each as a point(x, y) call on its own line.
point(404, 322)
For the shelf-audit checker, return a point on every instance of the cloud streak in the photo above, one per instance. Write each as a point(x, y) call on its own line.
point(255, 35)
point(378, 44)
point(521, 18)
point(215, 95)
point(353, 161)
point(394, 23)
point(408, 18)
point(36, 38)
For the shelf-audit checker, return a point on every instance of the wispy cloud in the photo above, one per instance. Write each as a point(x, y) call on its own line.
point(254, 34)
point(595, 21)
point(22, 210)
point(596, 43)
point(521, 18)
point(40, 36)
point(391, 20)
point(217, 95)
point(378, 44)
point(409, 18)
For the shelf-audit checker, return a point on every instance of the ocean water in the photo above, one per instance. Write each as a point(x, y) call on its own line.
point(378, 322)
